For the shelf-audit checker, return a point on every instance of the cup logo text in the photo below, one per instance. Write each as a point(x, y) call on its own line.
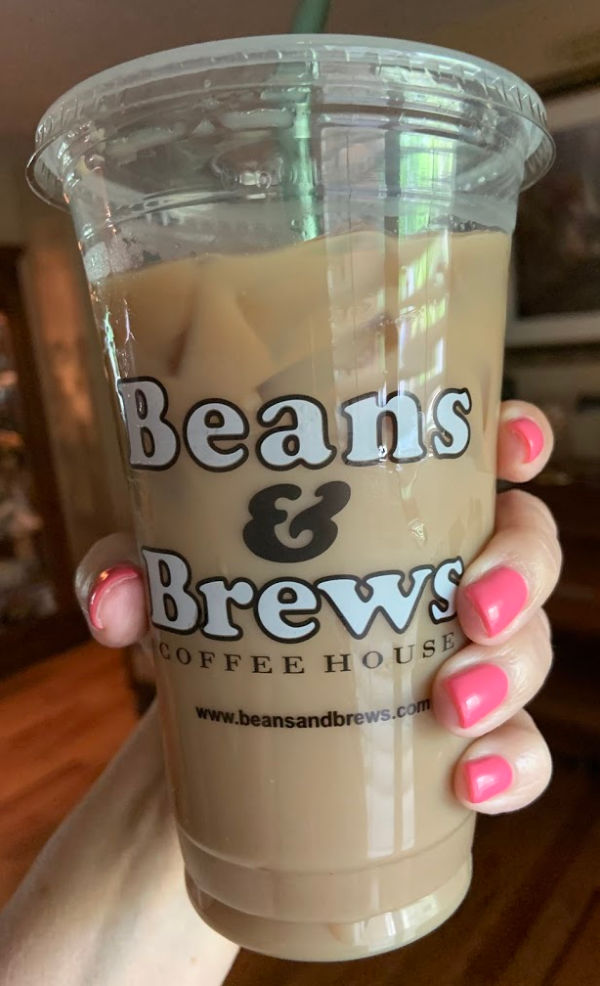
point(295, 432)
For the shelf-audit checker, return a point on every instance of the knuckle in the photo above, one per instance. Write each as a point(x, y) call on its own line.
point(547, 766)
point(543, 651)
point(543, 765)
point(559, 558)
point(533, 765)
point(545, 621)
point(535, 784)
point(511, 500)
point(554, 560)
point(528, 658)
point(550, 550)
point(545, 514)
point(519, 508)
point(541, 553)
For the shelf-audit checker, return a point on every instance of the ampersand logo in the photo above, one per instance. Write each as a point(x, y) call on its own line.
point(260, 534)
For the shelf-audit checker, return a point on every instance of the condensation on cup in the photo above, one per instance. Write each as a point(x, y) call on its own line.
point(297, 250)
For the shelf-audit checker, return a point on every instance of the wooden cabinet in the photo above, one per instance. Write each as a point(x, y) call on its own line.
point(38, 612)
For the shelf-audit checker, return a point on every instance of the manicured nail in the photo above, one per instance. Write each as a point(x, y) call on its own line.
point(485, 777)
point(476, 692)
point(105, 582)
point(497, 598)
point(530, 435)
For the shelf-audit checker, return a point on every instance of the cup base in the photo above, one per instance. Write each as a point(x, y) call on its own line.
point(321, 942)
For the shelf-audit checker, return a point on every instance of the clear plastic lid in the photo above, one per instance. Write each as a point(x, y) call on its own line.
point(363, 71)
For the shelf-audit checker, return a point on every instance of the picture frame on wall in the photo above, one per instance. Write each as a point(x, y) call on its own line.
point(555, 290)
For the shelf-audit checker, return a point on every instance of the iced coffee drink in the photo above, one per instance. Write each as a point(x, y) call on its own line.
point(292, 420)
point(298, 252)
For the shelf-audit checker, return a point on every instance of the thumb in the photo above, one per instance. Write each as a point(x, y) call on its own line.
point(110, 590)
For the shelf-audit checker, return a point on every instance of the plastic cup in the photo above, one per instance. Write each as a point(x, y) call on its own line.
point(297, 251)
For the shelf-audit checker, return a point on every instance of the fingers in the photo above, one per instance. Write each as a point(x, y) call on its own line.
point(110, 590)
point(480, 688)
point(514, 574)
point(504, 770)
point(525, 441)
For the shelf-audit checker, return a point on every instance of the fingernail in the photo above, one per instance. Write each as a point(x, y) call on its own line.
point(497, 598)
point(105, 582)
point(530, 435)
point(476, 692)
point(485, 777)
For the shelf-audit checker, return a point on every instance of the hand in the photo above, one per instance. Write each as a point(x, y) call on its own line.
point(480, 691)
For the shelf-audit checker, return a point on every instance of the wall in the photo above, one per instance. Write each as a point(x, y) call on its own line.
point(541, 40)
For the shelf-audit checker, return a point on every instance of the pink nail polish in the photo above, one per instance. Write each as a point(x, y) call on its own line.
point(476, 692)
point(497, 597)
point(531, 436)
point(485, 777)
point(106, 581)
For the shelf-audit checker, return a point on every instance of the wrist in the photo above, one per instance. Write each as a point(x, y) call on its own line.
point(105, 901)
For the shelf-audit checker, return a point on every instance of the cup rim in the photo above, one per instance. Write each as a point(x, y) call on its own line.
point(431, 68)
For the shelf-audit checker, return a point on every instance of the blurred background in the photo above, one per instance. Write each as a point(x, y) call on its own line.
point(66, 704)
